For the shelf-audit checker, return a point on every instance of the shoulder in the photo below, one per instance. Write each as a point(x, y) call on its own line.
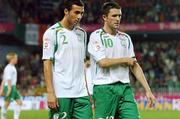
point(80, 30)
point(52, 30)
point(8, 67)
point(124, 34)
point(126, 37)
point(97, 33)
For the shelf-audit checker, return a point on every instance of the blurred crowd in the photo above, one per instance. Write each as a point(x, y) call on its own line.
point(30, 70)
point(134, 11)
point(160, 61)
point(155, 11)
point(161, 64)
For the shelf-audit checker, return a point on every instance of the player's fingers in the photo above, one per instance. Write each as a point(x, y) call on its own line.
point(152, 101)
point(149, 101)
point(52, 105)
point(57, 104)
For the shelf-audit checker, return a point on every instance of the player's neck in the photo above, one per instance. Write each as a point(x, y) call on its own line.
point(66, 24)
point(11, 63)
point(109, 30)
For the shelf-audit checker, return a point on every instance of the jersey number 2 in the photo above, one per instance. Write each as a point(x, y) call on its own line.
point(63, 37)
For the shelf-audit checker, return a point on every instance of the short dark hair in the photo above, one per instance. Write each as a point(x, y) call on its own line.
point(67, 4)
point(109, 5)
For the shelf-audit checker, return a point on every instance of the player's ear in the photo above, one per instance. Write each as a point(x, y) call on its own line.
point(104, 17)
point(66, 11)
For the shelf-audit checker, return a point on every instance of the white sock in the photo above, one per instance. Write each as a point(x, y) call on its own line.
point(17, 110)
point(3, 112)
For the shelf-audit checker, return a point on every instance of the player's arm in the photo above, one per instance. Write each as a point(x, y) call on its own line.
point(138, 73)
point(9, 87)
point(49, 85)
point(8, 78)
point(97, 51)
point(48, 75)
point(48, 52)
point(1, 88)
point(109, 62)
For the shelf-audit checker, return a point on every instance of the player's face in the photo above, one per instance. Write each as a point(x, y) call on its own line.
point(75, 15)
point(113, 18)
point(15, 59)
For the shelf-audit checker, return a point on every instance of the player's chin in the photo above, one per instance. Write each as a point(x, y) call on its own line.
point(116, 26)
point(76, 22)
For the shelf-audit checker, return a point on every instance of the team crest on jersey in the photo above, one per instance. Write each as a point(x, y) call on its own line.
point(46, 44)
point(56, 116)
point(79, 37)
point(123, 43)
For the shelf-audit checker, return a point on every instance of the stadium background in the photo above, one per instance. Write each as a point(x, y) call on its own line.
point(154, 26)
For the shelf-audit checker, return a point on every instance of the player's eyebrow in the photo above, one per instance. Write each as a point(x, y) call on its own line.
point(79, 12)
point(114, 15)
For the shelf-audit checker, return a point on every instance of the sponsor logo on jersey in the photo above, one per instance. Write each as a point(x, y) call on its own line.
point(97, 46)
point(123, 43)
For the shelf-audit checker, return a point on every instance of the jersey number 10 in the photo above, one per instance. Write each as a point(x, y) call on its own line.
point(107, 42)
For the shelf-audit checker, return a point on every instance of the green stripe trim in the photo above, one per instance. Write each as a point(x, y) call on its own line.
point(55, 48)
point(60, 25)
point(128, 41)
point(56, 42)
point(101, 36)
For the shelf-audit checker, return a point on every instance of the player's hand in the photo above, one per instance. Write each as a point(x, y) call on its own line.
point(52, 101)
point(151, 99)
point(130, 61)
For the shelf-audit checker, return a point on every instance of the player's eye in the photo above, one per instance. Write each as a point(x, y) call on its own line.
point(77, 12)
point(114, 15)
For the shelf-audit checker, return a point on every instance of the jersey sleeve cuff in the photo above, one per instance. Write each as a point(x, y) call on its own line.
point(100, 58)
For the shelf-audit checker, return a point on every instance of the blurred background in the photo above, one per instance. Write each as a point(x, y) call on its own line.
point(154, 26)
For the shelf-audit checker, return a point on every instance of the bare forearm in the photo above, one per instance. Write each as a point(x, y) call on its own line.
point(9, 86)
point(109, 62)
point(2, 83)
point(48, 76)
point(138, 73)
